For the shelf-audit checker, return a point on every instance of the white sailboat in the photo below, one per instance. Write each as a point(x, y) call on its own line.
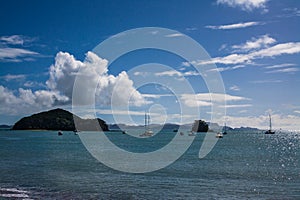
point(148, 132)
point(270, 129)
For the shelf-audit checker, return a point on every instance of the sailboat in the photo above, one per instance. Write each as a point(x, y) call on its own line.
point(219, 135)
point(270, 129)
point(224, 132)
point(148, 132)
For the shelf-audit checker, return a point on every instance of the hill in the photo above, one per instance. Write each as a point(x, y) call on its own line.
point(59, 119)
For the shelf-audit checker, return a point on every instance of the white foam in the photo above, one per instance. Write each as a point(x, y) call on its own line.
point(13, 190)
point(14, 193)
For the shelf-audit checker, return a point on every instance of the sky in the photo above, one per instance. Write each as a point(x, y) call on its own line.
point(254, 45)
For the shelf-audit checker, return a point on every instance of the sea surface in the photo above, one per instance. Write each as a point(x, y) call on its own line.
point(242, 165)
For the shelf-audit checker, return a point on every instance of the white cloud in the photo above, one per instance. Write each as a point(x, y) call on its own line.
point(227, 60)
point(177, 73)
point(186, 64)
point(14, 54)
point(16, 39)
point(27, 101)
point(207, 99)
point(234, 88)
point(59, 86)
point(233, 26)
point(222, 69)
point(156, 96)
point(175, 35)
point(246, 5)
point(276, 50)
point(191, 29)
point(290, 12)
point(286, 70)
point(237, 105)
point(266, 81)
point(255, 43)
point(279, 49)
point(280, 66)
point(95, 72)
point(122, 112)
point(10, 77)
point(33, 84)
point(169, 73)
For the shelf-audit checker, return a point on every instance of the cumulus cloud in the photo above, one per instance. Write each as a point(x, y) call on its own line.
point(59, 86)
point(27, 101)
point(246, 5)
point(233, 26)
point(95, 72)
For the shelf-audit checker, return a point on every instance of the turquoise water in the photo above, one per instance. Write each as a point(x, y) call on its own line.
point(42, 165)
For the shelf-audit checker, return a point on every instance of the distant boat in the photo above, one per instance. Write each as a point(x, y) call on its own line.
point(219, 135)
point(148, 132)
point(270, 128)
point(59, 133)
point(191, 133)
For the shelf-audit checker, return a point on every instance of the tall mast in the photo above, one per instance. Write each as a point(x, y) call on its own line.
point(270, 122)
point(145, 120)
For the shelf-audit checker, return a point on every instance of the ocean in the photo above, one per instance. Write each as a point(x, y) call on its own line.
point(242, 165)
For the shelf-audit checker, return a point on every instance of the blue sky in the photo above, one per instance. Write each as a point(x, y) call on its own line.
point(254, 44)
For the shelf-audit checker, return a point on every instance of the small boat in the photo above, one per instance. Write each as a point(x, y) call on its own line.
point(148, 132)
point(219, 135)
point(191, 133)
point(270, 128)
point(59, 133)
point(76, 132)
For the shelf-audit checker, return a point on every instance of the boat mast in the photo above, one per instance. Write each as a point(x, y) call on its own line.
point(270, 122)
point(145, 121)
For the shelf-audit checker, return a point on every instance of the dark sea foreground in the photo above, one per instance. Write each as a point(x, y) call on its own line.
point(43, 165)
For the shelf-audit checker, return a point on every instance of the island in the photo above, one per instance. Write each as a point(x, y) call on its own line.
point(59, 119)
point(200, 126)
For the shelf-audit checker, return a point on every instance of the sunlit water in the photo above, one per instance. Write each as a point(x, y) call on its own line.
point(43, 165)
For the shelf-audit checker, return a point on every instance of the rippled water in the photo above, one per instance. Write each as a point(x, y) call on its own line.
point(42, 165)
